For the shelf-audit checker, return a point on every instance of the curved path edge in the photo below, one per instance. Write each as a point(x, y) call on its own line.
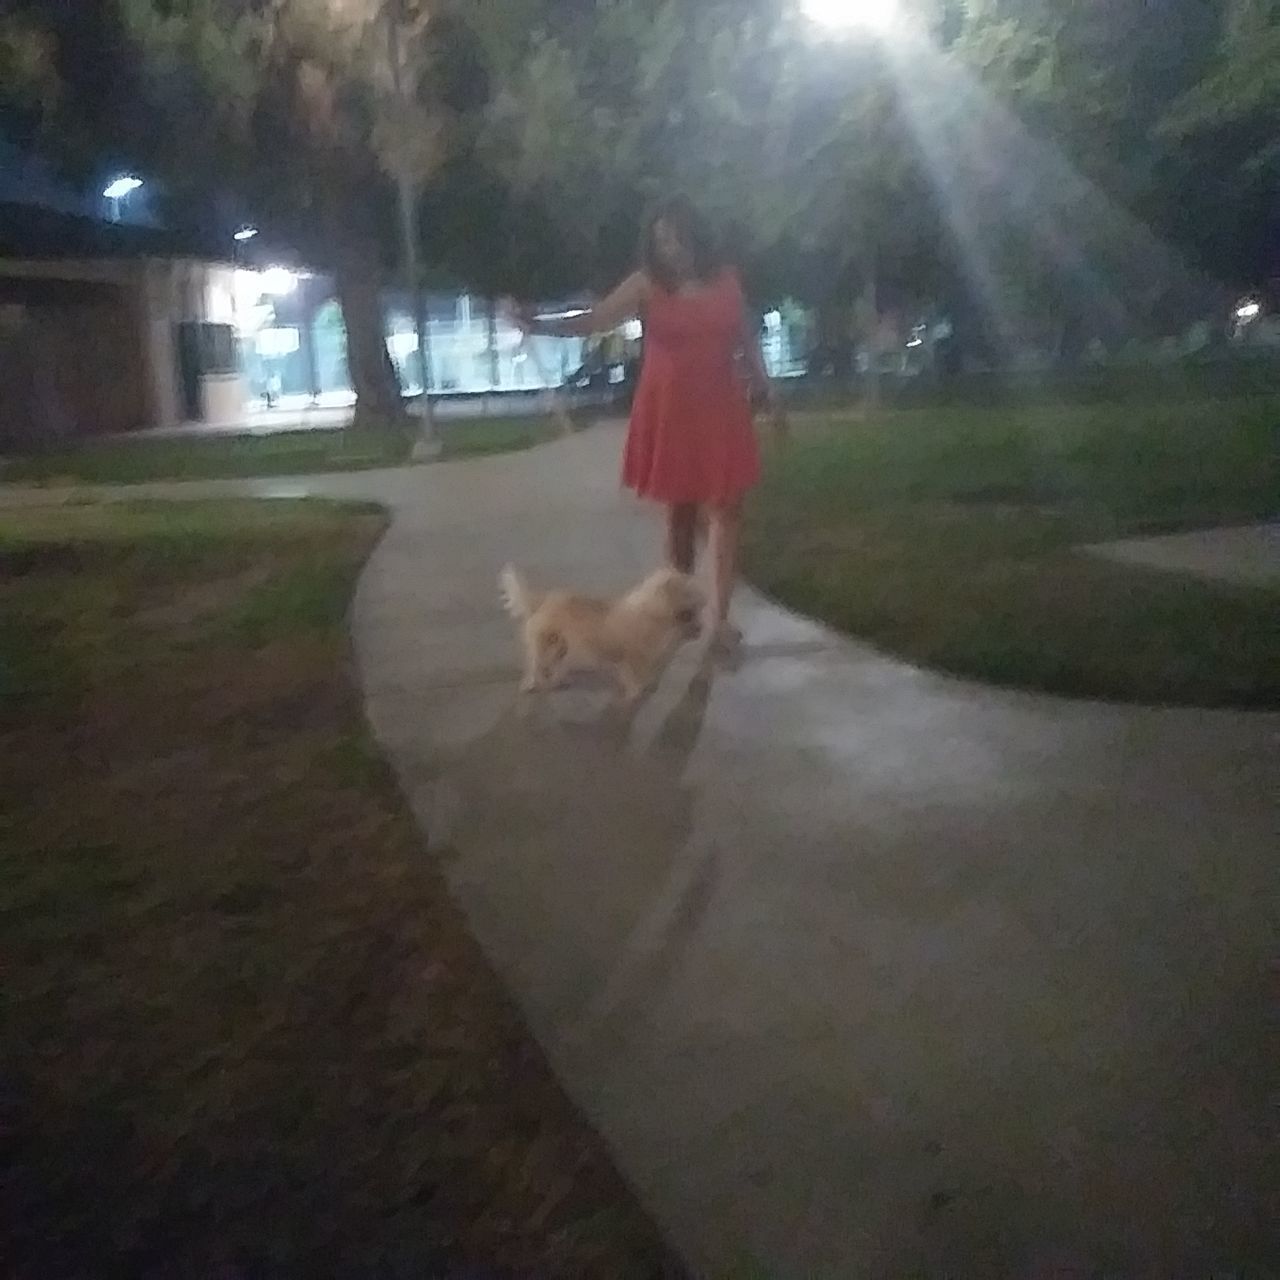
point(860, 970)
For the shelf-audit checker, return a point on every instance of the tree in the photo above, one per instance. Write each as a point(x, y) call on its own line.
point(1031, 124)
point(1238, 96)
point(563, 124)
point(1223, 138)
point(840, 187)
point(26, 65)
point(286, 103)
point(1126, 95)
point(794, 147)
point(282, 109)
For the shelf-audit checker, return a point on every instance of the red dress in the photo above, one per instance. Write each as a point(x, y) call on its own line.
point(691, 437)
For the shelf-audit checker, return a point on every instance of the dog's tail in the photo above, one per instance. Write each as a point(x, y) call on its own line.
point(517, 599)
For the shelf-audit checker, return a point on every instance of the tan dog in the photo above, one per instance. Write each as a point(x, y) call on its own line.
point(631, 636)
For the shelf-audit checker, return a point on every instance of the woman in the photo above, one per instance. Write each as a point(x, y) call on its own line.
point(691, 444)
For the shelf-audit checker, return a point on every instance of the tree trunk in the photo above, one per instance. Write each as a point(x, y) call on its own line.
point(869, 327)
point(373, 376)
point(308, 337)
point(832, 353)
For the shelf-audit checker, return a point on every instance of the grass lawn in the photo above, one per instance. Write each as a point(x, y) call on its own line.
point(244, 1025)
point(464, 438)
point(126, 461)
point(950, 536)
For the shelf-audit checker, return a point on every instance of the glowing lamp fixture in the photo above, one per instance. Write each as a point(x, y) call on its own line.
point(402, 345)
point(852, 15)
point(245, 233)
point(118, 188)
point(1248, 311)
point(279, 281)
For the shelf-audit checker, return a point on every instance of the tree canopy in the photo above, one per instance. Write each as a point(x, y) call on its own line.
point(1088, 160)
point(1039, 155)
point(281, 112)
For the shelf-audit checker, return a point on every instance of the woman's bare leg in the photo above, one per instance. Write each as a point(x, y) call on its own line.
point(726, 529)
point(682, 526)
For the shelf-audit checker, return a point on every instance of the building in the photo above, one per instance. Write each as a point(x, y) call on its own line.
point(100, 327)
point(110, 322)
point(109, 327)
point(293, 343)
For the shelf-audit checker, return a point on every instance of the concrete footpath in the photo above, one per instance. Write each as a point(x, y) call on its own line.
point(860, 970)
point(1248, 555)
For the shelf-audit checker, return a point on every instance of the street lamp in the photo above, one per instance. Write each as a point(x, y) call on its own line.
point(117, 189)
point(245, 233)
point(850, 15)
point(279, 281)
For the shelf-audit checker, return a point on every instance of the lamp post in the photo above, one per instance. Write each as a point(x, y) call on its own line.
point(239, 239)
point(428, 445)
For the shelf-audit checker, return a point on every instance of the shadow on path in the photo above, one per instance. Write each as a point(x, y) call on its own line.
point(572, 851)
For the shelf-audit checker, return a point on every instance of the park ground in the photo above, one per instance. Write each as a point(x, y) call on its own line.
point(245, 1025)
point(126, 460)
point(949, 534)
point(954, 539)
point(211, 868)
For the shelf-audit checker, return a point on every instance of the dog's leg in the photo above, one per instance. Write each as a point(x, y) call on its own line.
point(631, 683)
point(555, 653)
point(532, 662)
point(545, 653)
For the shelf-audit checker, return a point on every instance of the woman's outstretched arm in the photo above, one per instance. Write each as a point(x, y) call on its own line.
point(625, 303)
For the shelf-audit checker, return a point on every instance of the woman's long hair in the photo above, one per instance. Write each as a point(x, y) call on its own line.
point(687, 221)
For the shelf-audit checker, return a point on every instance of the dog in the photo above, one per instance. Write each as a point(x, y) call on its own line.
point(631, 636)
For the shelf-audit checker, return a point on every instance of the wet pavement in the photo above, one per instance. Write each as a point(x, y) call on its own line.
point(861, 971)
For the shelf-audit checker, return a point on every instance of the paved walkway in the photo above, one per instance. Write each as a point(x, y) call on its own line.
point(334, 413)
point(862, 971)
point(1248, 555)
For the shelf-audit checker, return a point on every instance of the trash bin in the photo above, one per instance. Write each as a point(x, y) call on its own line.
point(213, 385)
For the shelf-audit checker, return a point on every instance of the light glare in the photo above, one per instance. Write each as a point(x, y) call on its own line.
point(118, 188)
point(279, 281)
point(402, 345)
point(848, 15)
